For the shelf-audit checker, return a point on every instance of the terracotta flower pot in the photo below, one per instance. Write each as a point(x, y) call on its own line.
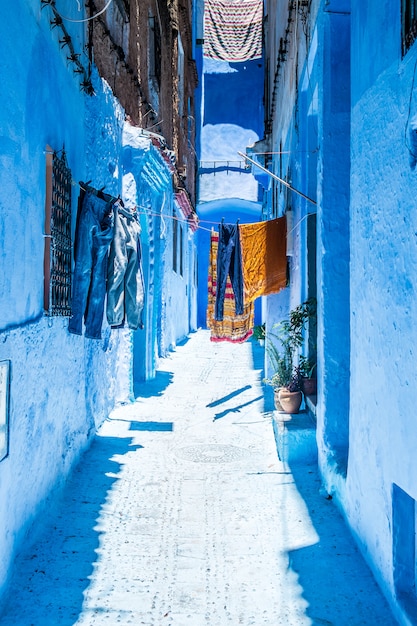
point(277, 403)
point(309, 386)
point(290, 400)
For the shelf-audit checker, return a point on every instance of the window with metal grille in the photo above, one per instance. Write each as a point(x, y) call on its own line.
point(58, 242)
point(408, 23)
point(181, 250)
point(174, 242)
point(154, 50)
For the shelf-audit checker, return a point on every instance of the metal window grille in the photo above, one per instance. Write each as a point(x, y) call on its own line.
point(155, 48)
point(58, 242)
point(409, 24)
point(175, 243)
point(181, 251)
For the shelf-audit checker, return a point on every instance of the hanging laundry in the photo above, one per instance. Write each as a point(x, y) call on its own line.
point(229, 264)
point(94, 233)
point(125, 284)
point(233, 29)
point(233, 328)
point(264, 257)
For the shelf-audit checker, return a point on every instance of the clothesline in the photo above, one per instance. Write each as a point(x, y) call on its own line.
point(146, 211)
point(290, 152)
point(87, 19)
point(172, 217)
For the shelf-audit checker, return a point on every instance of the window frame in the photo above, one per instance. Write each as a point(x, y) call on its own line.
point(408, 24)
point(57, 235)
point(174, 242)
point(155, 50)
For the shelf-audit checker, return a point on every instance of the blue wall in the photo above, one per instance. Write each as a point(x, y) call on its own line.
point(333, 235)
point(60, 389)
point(383, 291)
point(34, 113)
point(235, 97)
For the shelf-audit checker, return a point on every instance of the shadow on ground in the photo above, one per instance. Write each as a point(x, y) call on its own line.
point(155, 387)
point(53, 574)
point(152, 426)
point(236, 409)
point(228, 397)
point(337, 583)
point(258, 356)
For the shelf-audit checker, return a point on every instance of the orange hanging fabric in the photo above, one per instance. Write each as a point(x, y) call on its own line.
point(234, 328)
point(264, 257)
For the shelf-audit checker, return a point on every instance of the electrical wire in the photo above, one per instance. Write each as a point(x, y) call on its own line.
point(288, 152)
point(164, 227)
point(281, 180)
point(87, 19)
point(146, 211)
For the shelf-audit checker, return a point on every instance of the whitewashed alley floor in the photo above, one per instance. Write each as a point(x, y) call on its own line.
point(181, 514)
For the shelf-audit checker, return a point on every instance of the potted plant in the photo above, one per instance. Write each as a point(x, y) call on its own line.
point(259, 333)
point(307, 369)
point(290, 396)
point(287, 377)
point(285, 380)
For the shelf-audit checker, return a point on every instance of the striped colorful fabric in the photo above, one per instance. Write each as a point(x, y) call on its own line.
point(234, 328)
point(233, 29)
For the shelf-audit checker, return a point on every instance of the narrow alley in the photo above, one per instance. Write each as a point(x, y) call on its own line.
point(182, 514)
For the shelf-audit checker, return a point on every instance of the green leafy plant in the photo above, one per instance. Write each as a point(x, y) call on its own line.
point(306, 366)
point(281, 365)
point(290, 335)
point(259, 332)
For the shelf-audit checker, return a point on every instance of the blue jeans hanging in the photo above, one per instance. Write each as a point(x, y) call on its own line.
point(229, 263)
point(94, 234)
point(125, 286)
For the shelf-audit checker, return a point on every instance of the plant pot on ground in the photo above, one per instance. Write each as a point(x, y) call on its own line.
point(290, 396)
point(286, 379)
point(286, 384)
point(307, 368)
point(290, 401)
point(309, 386)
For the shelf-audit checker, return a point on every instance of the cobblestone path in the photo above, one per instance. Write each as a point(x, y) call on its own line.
point(181, 514)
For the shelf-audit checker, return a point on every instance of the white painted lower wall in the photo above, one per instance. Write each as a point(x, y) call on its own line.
point(62, 387)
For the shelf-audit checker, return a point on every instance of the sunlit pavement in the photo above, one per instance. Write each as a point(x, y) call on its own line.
point(181, 514)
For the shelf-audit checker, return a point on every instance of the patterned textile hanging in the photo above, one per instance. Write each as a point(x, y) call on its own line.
point(234, 328)
point(233, 29)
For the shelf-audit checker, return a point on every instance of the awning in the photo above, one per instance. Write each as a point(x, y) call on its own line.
point(183, 201)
